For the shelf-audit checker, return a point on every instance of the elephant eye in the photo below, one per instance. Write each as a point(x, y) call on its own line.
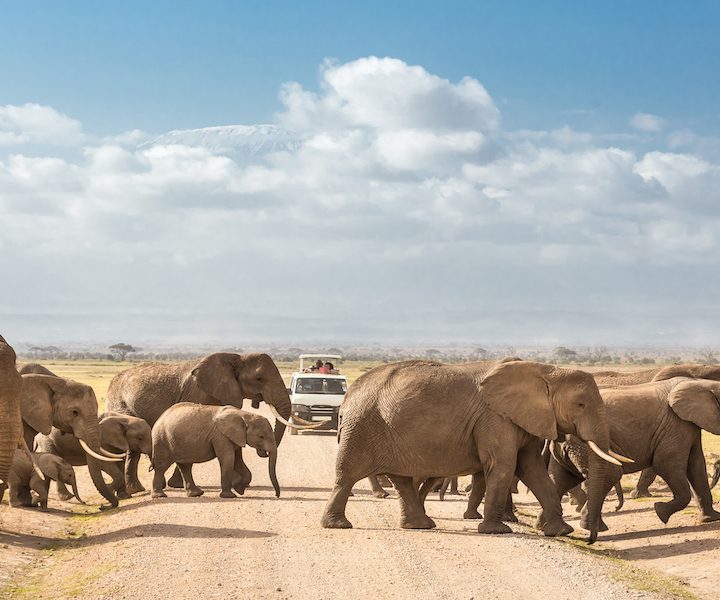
point(75, 413)
point(581, 404)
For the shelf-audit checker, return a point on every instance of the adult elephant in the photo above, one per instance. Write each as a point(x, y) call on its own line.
point(148, 390)
point(71, 407)
point(658, 425)
point(416, 420)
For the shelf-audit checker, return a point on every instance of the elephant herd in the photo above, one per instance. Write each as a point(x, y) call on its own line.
point(419, 421)
point(174, 414)
point(415, 422)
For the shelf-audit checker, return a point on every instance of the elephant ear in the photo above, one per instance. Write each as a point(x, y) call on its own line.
point(230, 422)
point(698, 402)
point(113, 433)
point(38, 401)
point(215, 375)
point(520, 391)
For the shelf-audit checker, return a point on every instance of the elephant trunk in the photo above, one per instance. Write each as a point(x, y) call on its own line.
point(716, 475)
point(280, 399)
point(272, 463)
point(75, 491)
point(87, 433)
point(595, 494)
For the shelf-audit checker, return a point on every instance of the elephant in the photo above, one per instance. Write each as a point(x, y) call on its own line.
point(35, 368)
point(716, 474)
point(658, 425)
point(118, 433)
point(615, 378)
point(71, 407)
point(23, 478)
point(416, 420)
point(148, 390)
point(10, 418)
point(188, 433)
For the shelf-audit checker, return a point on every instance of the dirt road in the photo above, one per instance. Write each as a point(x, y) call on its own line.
point(262, 547)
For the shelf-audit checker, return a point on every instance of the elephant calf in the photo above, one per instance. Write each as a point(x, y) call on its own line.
point(189, 433)
point(24, 479)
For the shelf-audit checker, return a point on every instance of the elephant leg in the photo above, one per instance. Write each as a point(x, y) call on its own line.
point(225, 452)
point(647, 476)
point(191, 489)
point(20, 496)
point(443, 487)
point(62, 491)
point(176, 480)
point(3, 489)
point(578, 497)
point(132, 483)
point(697, 475)
point(674, 470)
point(377, 489)
point(428, 486)
point(509, 515)
point(243, 475)
point(412, 515)
point(477, 492)
point(95, 469)
point(564, 481)
point(118, 480)
point(532, 472)
point(454, 486)
point(160, 465)
point(498, 481)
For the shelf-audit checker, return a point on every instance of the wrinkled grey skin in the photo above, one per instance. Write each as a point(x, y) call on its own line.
point(35, 368)
point(71, 407)
point(221, 379)
point(189, 433)
point(23, 479)
point(657, 424)
point(118, 433)
point(417, 420)
point(10, 416)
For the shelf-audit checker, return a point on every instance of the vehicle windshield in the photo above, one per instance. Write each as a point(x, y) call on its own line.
point(320, 385)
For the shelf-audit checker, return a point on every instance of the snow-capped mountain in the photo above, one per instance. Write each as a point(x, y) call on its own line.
point(241, 141)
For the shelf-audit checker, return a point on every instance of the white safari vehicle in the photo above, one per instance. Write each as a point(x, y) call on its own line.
point(316, 391)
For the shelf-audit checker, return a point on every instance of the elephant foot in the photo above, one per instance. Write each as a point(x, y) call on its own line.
point(380, 494)
point(330, 521)
point(239, 489)
point(557, 528)
point(105, 507)
point(497, 527)
point(510, 517)
point(159, 494)
point(420, 522)
point(135, 487)
point(123, 495)
point(663, 511)
point(641, 494)
point(472, 514)
point(176, 481)
point(710, 517)
point(196, 491)
point(65, 496)
point(227, 494)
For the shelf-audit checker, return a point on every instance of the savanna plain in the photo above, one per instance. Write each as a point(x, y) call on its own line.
point(259, 546)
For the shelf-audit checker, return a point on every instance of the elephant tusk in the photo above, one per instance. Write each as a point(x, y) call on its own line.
point(94, 454)
point(596, 449)
point(312, 423)
point(112, 454)
point(276, 414)
point(620, 457)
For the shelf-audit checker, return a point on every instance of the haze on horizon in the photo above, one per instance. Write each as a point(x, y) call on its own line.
point(370, 188)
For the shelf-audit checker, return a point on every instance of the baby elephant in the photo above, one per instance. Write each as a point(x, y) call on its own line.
point(118, 433)
point(23, 479)
point(189, 433)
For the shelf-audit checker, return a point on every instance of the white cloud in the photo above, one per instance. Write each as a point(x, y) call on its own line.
point(37, 124)
point(394, 195)
point(647, 122)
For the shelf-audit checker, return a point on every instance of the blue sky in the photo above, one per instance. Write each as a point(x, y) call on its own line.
point(477, 172)
point(165, 65)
